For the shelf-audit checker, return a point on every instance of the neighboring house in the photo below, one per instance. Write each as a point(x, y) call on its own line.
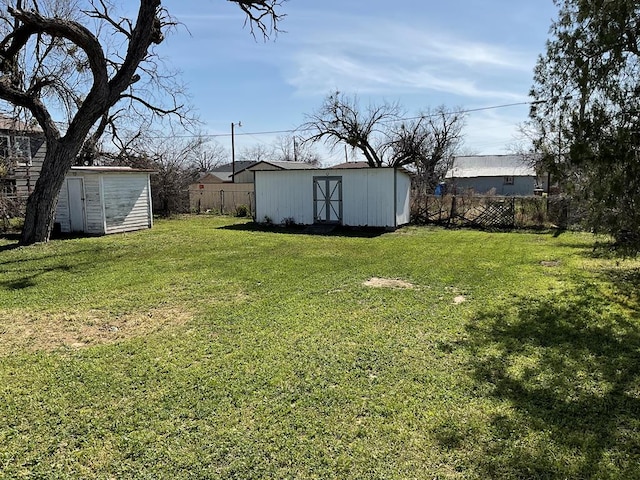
point(219, 190)
point(103, 200)
point(22, 150)
point(224, 173)
point(494, 174)
point(364, 197)
point(352, 165)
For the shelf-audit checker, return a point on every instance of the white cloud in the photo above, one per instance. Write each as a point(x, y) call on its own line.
point(394, 58)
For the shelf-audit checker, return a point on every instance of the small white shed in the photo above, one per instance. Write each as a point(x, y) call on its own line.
point(104, 200)
point(359, 197)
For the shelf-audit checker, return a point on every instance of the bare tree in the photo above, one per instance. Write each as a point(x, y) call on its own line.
point(177, 161)
point(291, 148)
point(341, 119)
point(429, 141)
point(84, 58)
point(206, 154)
point(256, 153)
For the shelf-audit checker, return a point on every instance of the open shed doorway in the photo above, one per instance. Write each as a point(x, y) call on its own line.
point(327, 200)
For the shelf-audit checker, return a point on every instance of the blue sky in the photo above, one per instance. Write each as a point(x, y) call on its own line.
point(461, 53)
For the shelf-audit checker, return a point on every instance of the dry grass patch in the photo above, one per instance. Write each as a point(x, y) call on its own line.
point(376, 282)
point(49, 331)
point(550, 263)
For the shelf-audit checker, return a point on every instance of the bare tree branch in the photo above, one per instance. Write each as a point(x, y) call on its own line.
point(261, 14)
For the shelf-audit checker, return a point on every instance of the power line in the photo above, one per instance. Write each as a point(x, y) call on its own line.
point(299, 129)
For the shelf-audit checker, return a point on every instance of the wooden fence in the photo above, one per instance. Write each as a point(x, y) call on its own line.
point(222, 198)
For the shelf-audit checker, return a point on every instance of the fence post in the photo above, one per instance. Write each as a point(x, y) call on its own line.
point(452, 214)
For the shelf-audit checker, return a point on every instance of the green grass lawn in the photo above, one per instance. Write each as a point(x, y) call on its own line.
point(204, 348)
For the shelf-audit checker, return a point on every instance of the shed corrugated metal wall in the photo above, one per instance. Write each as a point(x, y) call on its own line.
point(403, 198)
point(126, 202)
point(112, 202)
point(374, 197)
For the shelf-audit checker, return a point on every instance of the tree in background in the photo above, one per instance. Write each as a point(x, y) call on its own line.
point(341, 119)
point(290, 148)
point(177, 161)
point(81, 57)
point(428, 141)
point(207, 154)
point(259, 152)
point(587, 109)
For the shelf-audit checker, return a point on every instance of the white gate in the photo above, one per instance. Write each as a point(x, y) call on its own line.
point(327, 199)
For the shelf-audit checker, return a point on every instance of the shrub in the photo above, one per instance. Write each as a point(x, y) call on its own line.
point(242, 211)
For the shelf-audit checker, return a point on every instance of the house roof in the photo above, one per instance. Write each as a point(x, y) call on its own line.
point(280, 165)
point(225, 172)
point(491, 166)
point(351, 165)
point(208, 177)
point(8, 122)
point(228, 167)
point(360, 165)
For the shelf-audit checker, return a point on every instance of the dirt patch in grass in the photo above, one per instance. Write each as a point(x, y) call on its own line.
point(550, 263)
point(49, 331)
point(376, 282)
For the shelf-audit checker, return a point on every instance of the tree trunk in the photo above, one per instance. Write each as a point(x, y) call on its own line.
point(41, 205)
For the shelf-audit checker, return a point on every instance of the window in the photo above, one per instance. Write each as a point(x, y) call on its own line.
point(4, 146)
point(21, 151)
point(16, 149)
point(7, 186)
point(508, 180)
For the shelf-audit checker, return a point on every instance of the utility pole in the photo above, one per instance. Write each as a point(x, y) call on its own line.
point(233, 151)
point(295, 149)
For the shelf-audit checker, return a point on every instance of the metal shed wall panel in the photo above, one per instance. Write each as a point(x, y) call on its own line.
point(369, 196)
point(403, 200)
point(284, 194)
point(126, 202)
point(62, 209)
point(94, 222)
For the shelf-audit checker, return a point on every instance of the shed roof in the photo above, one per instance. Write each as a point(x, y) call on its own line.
point(104, 169)
point(491, 166)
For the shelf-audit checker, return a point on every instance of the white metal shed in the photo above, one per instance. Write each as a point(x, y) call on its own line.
point(359, 197)
point(104, 200)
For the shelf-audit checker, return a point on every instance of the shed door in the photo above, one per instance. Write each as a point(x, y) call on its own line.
point(327, 199)
point(75, 189)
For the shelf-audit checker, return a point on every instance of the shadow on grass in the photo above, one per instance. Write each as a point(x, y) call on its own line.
point(29, 280)
point(332, 231)
point(568, 367)
point(11, 237)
